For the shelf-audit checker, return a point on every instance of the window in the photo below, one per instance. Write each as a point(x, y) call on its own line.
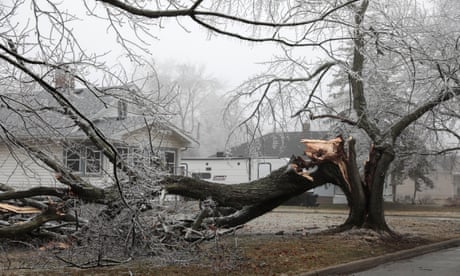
point(182, 170)
point(264, 169)
point(144, 158)
point(170, 161)
point(123, 153)
point(93, 164)
point(137, 158)
point(84, 160)
point(72, 159)
point(219, 178)
point(201, 175)
point(122, 110)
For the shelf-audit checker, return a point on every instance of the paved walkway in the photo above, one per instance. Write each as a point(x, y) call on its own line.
point(441, 263)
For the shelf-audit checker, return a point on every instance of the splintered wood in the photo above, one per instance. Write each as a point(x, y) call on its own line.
point(320, 151)
point(4, 207)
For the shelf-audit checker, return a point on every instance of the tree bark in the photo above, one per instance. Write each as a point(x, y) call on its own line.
point(379, 160)
point(414, 195)
point(333, 165)
point(36, 191)
point(249, 200)
point(19, 229)
point(357, 201)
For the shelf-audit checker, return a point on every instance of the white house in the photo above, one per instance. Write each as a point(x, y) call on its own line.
point(115, 111)
point(446, 178)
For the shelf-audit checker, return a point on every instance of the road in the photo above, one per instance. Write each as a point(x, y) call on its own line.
point(441, 263)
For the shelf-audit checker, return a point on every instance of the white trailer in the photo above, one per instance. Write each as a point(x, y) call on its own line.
point(231, 170)
point(234, 170)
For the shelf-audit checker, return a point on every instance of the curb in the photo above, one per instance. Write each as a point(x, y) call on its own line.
point(365, 264)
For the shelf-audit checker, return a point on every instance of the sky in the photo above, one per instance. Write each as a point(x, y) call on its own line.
point(228, 59)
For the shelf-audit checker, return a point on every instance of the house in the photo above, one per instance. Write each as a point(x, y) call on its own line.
point(36, 118)
point(446, 178)
point(279, 144)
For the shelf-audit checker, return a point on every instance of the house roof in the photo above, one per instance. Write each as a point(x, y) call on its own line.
point(280, 144)
point(38, 115)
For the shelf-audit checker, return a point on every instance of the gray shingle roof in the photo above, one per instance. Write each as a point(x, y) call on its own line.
point(38, 115)
point(278, 144)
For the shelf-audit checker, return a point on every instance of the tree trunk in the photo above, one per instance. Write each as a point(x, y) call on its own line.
point(250, 200)
point(415, 193)
point(357, 201)
point(393, 187)
point(379, 163)
point(19, 229)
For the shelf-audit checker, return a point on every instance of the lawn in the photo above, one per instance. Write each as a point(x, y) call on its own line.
point(272, 253)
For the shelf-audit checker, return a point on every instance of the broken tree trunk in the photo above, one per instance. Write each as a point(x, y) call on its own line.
point(380, 158)
point(249, 200)
point(330, 163)
point(19, 229)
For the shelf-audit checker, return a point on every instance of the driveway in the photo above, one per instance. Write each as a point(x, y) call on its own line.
point(441, 263)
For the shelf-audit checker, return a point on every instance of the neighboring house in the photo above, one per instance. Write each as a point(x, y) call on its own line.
point(279, 144)
point(140, 139)
point(446, 178)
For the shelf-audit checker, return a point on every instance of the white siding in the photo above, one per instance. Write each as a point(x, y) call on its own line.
point(161, 139)
point(18, 170)
point(232, 170)
point(226, 171)
point(21, 172)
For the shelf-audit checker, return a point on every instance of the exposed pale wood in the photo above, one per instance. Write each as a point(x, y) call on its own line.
point(19, 229)
point(5, 207)
point(320, 151)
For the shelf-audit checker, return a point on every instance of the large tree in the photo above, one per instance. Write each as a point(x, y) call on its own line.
point(416, 51)
point(400, 74)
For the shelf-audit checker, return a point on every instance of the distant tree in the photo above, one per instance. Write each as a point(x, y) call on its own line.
point(392, 43)
point(196, 103)
point(410, 163)
point(48, 54)
point(397, 66)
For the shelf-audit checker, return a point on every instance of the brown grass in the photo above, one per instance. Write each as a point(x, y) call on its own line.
point(271, 254)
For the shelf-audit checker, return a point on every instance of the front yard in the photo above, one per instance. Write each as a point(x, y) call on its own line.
point(285, 240)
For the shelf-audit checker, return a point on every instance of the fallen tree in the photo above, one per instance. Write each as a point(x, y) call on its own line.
point(328, 163)
point(226, 205)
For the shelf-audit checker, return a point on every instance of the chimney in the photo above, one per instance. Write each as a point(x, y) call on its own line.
point(63, 78)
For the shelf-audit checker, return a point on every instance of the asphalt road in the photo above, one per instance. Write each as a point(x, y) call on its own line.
point(441, 263)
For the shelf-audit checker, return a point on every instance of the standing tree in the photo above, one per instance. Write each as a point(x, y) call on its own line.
point(196, 104)
point(397, 42)
point(401, 71)
point(411, 162)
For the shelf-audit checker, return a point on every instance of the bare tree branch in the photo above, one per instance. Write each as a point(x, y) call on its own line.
point(193, 12)
point(402, 124)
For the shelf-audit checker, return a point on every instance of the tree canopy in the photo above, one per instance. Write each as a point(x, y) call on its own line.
point(394, 67)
